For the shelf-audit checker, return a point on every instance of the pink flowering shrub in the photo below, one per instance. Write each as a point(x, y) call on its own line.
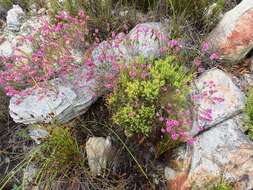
point(197, 58)
point(53, 55)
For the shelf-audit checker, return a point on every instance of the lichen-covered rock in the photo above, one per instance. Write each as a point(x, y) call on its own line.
point(69, 99)
point(146, 39)
point(98, 150)
point(223, 150)
point(225, 100)
point(233, 36)
point(14, 17)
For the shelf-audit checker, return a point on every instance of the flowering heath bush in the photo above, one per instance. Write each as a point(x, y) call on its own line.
point(53, 55)
point(151, 95)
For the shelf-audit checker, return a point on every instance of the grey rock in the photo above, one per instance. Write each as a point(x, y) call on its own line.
point(146, 39)
point(223, 150)
point(98, 150)
point(38, 134)
point(233, 98)
point(14, 18)
point(169, 173)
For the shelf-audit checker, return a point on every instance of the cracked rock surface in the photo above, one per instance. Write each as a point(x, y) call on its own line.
point(221, 150)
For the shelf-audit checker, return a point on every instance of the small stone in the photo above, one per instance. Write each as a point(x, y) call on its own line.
point(14, 17)
point(169, 173)
point(6, 48)
point(38, 134)
point(98, 150)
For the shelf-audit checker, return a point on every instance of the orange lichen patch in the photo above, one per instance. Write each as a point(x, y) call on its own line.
point(179, 183)
point(241, 36)
point(241, 165)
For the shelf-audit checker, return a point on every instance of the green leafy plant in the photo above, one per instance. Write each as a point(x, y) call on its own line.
point(58, 157)
point(249, 112)
point(144, 90)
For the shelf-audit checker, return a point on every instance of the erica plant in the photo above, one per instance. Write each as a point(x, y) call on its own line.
point(53, 54)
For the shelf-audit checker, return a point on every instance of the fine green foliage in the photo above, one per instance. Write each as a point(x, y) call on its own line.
point(222, 186)
point(192, 9)
point(58, 156)
point(6, 3)
point(105, 16)
point(16, 187)
point(141, 92)
point(249, 112)
point(193, 13)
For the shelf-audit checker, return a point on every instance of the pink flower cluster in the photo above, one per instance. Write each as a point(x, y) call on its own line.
point(174, 128)
point(205, 52)
point(176, 124)
point(52, 55)
point(208, 94)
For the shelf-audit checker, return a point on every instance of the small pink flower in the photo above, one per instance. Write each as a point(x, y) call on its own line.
point(109, 86)
point(190, 141)
point(174, 136)
point(214, 56)
point(161, 119)
point(163, 130)
point(132, 74)
point(173, 43)
point(201, 69)
point(113, 34)
point(205, 47)
point(197, 62)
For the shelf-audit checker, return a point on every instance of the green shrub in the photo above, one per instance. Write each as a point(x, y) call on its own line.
point(58, 157)
point(222, 186)
point(249, 112)
point(144, 88)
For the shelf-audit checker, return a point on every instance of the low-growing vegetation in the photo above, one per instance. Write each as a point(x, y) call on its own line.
point(249, 113)
point(148, 109)
point(139, 99)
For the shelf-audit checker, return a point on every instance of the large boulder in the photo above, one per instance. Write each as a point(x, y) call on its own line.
point(233, 36)
point(68, 99)
point(215, 91)
point(223, 150)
